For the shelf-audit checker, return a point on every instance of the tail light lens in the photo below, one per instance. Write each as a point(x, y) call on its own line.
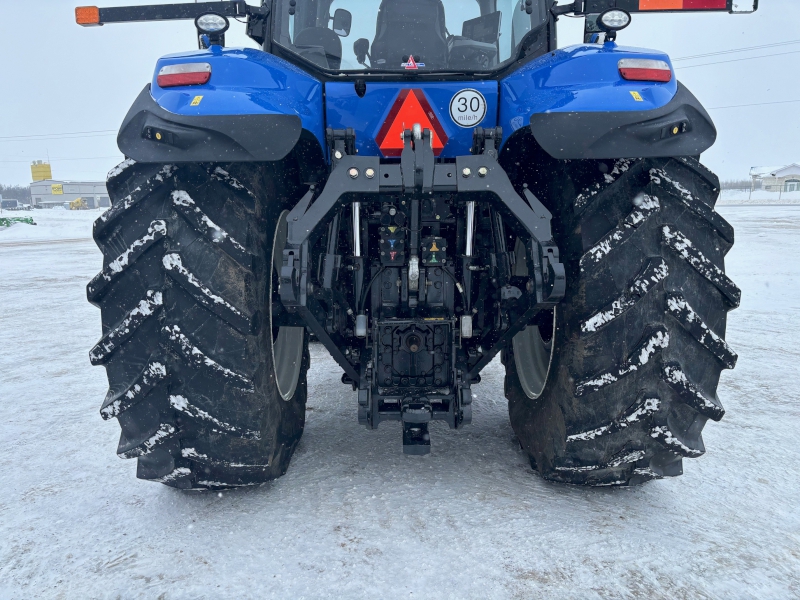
point(184, 74)
point(639, 69)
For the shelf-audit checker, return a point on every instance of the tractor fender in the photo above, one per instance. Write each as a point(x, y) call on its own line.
point(578, 106)
point(255, 107)
point(681, 128)
point(151, 134)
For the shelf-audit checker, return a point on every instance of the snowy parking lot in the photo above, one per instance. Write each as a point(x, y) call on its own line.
point(353, 517)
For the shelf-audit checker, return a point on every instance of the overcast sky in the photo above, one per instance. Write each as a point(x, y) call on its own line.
point(59, 78)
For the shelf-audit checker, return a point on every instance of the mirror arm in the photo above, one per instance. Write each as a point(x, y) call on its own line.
point(576, 7)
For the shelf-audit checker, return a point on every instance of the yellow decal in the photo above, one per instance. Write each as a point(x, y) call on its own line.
point(57, 189)
point(197, 100)
point(637, 96)
point(392, 229)
point(434, 248)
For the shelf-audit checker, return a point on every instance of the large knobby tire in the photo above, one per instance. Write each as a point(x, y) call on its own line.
point(187, 340)
point(639, 341)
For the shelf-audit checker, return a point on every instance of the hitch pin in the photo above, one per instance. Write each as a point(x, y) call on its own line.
point(357, 229)
point(361, 318)
point(470, 226)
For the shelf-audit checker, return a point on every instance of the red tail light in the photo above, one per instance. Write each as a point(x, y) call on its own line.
point(638, 69)
point(184, 74)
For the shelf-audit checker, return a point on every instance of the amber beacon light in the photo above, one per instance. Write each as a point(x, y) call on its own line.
point(87, 16)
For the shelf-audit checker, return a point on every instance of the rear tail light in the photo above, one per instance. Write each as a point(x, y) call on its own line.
point(184, 74)
point(638, 69)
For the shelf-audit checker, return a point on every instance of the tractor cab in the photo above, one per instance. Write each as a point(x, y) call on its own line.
point(406, 35)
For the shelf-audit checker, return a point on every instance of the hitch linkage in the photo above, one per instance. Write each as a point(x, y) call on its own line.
point(368, 352)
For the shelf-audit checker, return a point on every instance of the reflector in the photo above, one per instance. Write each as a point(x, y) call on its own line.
point(87, 15)
point(411, 106)
point(184, 74)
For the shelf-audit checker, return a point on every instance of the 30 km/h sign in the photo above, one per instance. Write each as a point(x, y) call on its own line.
point(468, 108)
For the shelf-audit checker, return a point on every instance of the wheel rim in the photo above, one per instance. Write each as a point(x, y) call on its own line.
point(286, 342)
point(532, 359)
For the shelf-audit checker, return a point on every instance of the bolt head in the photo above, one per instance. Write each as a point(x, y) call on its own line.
point(483, 171)
point(370, 173)
point(465, 172)
point(353, 172)
point(338, 155)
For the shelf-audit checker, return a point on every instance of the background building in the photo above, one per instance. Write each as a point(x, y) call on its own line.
point(51, 192)
point(776, 179)
point(47, 192)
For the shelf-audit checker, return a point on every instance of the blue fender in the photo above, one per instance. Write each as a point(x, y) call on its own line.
point(578, 106)
point(255, 107)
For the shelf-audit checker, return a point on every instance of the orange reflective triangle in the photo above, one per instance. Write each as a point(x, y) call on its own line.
point(411, 106)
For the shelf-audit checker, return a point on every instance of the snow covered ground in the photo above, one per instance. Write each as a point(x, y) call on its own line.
point(758, 197)
point(354, 518)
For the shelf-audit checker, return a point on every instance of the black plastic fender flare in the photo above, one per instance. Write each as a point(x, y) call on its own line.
point(151, 134)
point(629, 134)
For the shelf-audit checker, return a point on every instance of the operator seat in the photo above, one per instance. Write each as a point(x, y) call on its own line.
point(320, 38)
point(410, 27)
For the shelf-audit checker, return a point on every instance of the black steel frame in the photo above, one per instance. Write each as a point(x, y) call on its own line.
point(474, 177)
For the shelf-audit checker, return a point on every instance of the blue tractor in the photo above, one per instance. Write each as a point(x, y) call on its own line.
point(421, 186)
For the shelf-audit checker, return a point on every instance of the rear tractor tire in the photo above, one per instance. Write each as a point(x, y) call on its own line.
point(207, 393)
point(639, 338)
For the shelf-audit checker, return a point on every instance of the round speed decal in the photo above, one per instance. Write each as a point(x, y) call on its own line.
point(468, 108)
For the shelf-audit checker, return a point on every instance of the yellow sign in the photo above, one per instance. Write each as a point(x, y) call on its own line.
point(197, 100)
point(637, 96)
point(57, 189)
point(40, 171)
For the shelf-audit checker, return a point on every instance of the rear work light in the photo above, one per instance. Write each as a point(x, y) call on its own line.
point(184, 74)
point(87, 16)
point(638, 69)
